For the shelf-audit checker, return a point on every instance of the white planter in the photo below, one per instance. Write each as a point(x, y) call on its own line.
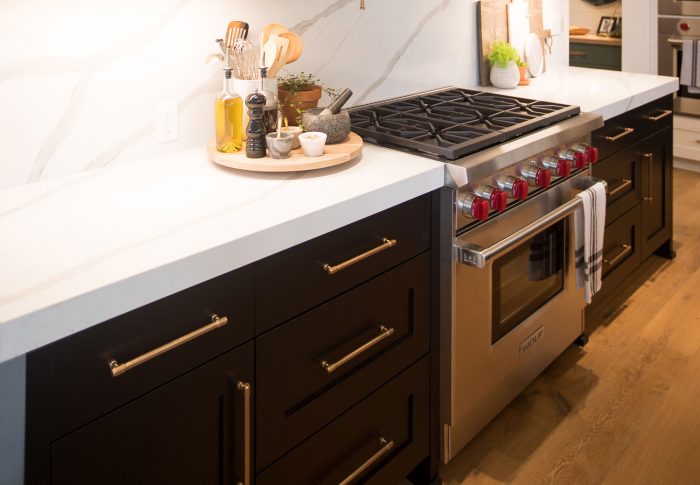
point(505, 77)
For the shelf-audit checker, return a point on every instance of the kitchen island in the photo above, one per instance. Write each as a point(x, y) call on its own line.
point(83, 249)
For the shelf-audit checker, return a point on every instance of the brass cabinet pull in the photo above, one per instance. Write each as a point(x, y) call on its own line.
point(664, 114)
point(650, 157)
point(384, 333)
point(386, 244)
point(246, 388)
point(624, 184)
point(119, 369)
point(624, 133)
point(626, 250)
point(577, 54)
point(386, 446)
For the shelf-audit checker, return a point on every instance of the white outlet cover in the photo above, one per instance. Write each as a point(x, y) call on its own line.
point(166, 122)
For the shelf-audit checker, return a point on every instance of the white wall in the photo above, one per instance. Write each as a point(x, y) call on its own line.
point(80, 80)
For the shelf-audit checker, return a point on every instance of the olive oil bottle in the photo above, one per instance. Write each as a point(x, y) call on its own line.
point(228, 110)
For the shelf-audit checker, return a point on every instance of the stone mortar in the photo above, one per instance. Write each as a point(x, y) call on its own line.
point(336, 126)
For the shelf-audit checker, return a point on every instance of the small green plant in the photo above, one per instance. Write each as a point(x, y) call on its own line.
point(299, 82)
point(502, 53)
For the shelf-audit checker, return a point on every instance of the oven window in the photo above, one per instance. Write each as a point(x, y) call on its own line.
point(527, 277)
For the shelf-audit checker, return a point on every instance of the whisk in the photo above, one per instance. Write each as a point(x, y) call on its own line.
point(244, 60)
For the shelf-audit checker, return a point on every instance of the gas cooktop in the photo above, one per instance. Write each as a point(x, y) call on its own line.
point(451, 123)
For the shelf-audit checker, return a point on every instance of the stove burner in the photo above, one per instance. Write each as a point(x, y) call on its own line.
point(455, 122)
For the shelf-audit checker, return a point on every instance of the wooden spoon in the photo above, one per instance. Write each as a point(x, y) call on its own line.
point(270, 29)
point(296, 46)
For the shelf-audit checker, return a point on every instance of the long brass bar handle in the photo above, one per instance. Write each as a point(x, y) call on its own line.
point(386, 446)
point(384, 333)
point(386, 244)
point(626, 183)
point(246, 388)
point(664, 114)
point(650, 157)
point(626, 250)
point(625, 132)
point(119, 369)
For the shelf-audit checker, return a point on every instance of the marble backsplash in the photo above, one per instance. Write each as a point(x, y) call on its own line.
point(80, 81)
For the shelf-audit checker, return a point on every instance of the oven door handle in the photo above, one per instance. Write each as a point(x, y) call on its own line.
point(676, 43)
point(477, 256)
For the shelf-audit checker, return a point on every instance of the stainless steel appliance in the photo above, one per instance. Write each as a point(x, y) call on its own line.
point(513, 166)
point(679, 7)
point(672, 32)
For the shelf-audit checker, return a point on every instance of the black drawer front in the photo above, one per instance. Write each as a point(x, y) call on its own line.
point(84, 386)
point(398, 413)
point(630, 127)
point(622, 173)
point(188, 431)
point(278, 279)
point(297, 395)
point(621, 248)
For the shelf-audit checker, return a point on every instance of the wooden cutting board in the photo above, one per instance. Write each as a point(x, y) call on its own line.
point(492, 25)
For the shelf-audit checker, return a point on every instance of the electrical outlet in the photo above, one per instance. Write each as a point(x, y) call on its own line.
point(166, 122)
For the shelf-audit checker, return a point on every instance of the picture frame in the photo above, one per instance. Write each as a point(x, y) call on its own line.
point(606, 26)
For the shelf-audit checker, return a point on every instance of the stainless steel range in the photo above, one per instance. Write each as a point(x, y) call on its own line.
point(513, 168)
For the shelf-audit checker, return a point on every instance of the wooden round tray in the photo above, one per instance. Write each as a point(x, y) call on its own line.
point(333, 155)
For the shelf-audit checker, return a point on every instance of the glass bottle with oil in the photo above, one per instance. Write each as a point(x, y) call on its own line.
point(228, 109)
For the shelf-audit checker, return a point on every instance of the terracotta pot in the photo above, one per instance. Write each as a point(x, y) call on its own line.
point(302, 100)
point(524, 81)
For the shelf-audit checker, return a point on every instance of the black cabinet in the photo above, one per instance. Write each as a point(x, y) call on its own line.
point(190, 430)
point(312, 364)
point(636, 160)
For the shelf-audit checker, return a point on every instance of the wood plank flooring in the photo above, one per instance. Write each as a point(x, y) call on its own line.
point(625, 409)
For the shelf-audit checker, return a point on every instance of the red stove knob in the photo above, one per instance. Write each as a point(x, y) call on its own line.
point(577, 158)
point(475, 207)
point(557, 166)
point(537, 176)
point(590, 153)
point(684, 26)
point(497, 198)
point(514, 186)
point(520, 188)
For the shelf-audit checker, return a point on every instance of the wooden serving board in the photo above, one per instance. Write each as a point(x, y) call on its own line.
point(332, 155)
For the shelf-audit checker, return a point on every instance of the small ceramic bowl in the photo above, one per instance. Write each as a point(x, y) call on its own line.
point(295, 131)
point(279, 147)
point(312, 143)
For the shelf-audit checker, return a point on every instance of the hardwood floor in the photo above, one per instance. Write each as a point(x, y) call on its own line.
point(625, 409)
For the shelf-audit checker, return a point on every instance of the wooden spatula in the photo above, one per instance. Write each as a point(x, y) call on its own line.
point(270, 29)
point(236, 29)
point(282, 46)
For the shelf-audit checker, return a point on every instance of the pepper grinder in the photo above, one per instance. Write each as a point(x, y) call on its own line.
point(255, 146)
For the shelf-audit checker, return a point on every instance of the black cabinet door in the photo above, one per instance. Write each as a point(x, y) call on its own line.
point(190, 430)
point(657, 173)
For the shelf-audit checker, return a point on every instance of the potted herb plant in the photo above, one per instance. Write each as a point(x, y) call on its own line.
point(298, 92)
point(504, 59)
point(522, 69)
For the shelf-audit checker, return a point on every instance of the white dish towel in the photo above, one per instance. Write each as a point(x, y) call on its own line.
point(589, 230)
point(690, 66)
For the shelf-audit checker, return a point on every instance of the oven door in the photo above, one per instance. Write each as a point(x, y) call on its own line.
point(515, 304)
point(671, 39)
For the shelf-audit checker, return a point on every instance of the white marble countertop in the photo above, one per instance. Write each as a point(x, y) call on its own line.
point(608, 93)
point(79, 250)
